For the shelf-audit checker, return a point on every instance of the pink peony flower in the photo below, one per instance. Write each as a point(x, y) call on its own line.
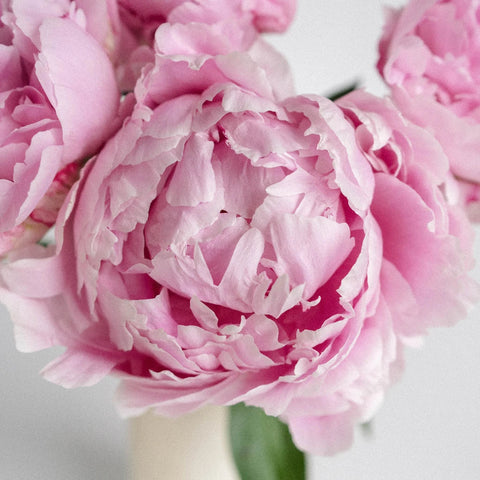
point(429, 55)
point(58, 98)
point(226, 246)
point(264, 15)
point(199, 27)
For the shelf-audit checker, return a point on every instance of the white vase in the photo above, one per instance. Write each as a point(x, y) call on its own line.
point(192, 447)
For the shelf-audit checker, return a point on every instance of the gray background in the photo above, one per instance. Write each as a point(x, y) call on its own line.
point(429, 426)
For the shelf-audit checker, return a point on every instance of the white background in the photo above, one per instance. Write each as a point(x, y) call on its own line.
point(429, 426)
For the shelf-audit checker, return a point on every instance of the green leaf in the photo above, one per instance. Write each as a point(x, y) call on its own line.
point(367, 428)
point(343, 91)
point(262, 446)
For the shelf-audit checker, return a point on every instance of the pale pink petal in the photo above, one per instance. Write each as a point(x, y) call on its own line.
point(325, 245)
point(77, 85)
point(193, 181)
point(326, 435)
point(34, 277)
point(77, 368)
point(35, 327)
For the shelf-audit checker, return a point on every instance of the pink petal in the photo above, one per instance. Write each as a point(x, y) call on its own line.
point(79, 368)
point(193, 181)
point(325, 246)
point(77, 85)
point(326, 435)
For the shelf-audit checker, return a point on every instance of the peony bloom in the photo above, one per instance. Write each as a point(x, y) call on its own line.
point(53, 77)
point(263, 15)
point(228, 245)
point(202, 25)
point(429, 55)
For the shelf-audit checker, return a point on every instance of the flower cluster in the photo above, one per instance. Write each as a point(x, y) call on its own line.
point(227, 240)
